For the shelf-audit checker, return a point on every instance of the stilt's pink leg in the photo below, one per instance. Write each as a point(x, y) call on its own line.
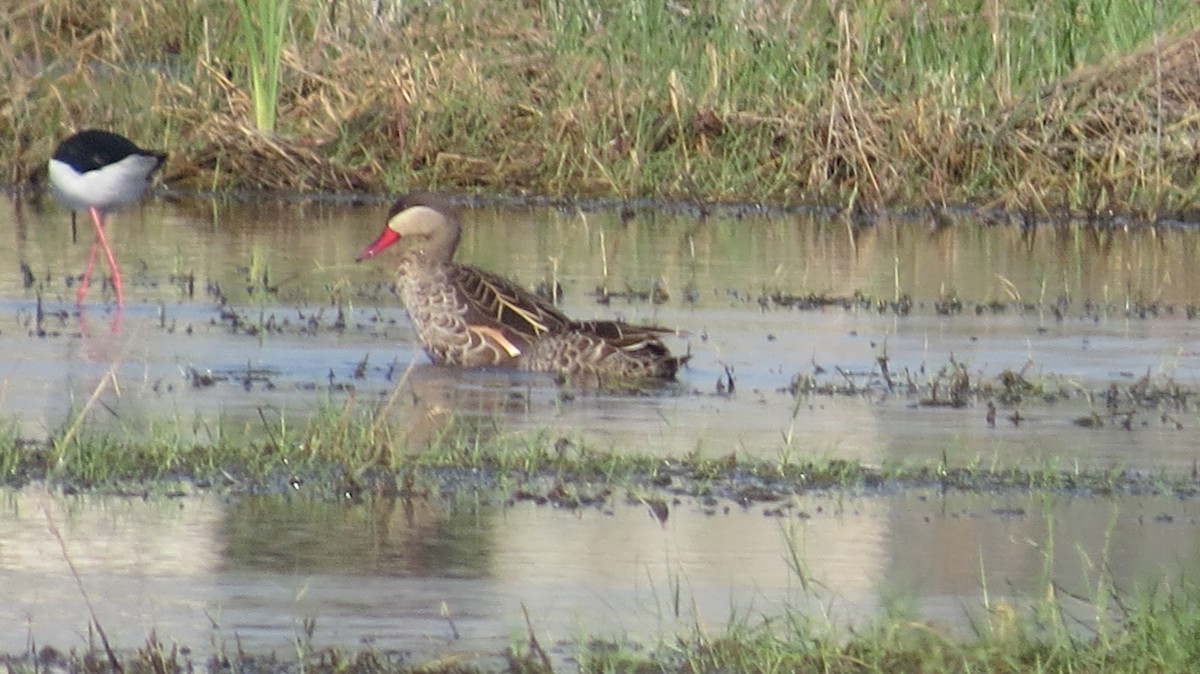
point(87, 274)
point(112, 261)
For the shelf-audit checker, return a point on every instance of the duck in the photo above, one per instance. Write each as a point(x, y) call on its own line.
point(471, 317)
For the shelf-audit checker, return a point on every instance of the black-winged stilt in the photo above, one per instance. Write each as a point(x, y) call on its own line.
point(100, 171)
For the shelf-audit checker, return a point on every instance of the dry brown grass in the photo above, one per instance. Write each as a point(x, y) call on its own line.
point(1128, 127)
point(473, 96)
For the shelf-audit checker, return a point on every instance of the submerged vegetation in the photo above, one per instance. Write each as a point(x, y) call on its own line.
point(1087, 107)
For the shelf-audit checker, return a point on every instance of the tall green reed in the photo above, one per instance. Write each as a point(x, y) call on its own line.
point(262, 26)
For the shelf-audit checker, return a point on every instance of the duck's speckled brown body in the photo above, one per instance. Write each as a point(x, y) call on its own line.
point(470, 317)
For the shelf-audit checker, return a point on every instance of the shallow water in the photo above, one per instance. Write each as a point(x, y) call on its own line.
point(715, 273)
point(1083, 309)
point(432, 579)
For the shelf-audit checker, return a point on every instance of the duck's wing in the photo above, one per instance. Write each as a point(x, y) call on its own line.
point(607, 349)
point(494, 301)
point(621, 332)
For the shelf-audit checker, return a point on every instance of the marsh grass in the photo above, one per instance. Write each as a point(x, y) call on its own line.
point(352, 449)
point(1156, 630)
point(1033, 106)
point(1103, 630)
point(1152, 630)
point(904, 645)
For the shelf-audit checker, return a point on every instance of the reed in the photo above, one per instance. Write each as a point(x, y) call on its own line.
point(262, 27)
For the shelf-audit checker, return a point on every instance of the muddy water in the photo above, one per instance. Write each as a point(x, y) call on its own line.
point(1075, 310)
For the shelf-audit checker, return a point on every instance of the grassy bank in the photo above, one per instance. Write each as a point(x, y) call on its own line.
point(1084, 106)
